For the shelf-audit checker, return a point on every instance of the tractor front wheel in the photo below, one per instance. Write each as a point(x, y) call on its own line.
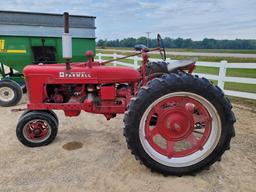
point(36, 128)
point(10, 93)
point(179, 124)
point(50, 112)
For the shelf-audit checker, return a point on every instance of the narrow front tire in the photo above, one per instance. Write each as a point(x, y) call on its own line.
point(36, 128)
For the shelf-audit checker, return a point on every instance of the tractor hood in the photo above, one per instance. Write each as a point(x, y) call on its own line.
point(79, 73)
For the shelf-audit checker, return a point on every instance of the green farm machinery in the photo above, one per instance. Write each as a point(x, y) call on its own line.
point(33, 38)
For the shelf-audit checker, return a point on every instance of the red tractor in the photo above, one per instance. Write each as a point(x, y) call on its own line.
point(175, 123)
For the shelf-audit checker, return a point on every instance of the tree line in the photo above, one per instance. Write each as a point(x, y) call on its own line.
point(181, 43)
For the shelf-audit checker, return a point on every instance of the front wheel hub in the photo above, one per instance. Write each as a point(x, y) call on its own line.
point(37, 130)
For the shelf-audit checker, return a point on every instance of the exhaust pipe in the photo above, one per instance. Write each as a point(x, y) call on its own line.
point(67, 42)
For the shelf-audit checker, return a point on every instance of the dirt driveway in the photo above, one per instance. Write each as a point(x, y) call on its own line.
point(104, 163)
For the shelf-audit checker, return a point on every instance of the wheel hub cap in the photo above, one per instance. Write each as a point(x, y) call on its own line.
point(37, 130)
point(6, 93)
point(175, 125)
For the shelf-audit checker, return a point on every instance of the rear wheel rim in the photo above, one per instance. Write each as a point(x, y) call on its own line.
point(6, 94)
point(37, 130)
point(180, 129)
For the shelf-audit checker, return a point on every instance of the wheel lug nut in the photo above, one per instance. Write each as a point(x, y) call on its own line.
point(190, 107)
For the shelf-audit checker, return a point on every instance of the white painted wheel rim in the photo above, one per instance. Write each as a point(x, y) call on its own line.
point(6, 94)
point(196, 157)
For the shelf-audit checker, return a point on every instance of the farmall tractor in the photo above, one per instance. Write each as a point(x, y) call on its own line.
point(175, 123)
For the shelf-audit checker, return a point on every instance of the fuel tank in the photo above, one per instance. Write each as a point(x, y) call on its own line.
point(80, 73)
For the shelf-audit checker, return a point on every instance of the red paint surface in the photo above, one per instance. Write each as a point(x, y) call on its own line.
point(175, 124)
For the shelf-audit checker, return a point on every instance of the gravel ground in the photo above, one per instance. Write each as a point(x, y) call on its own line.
point(103, 162)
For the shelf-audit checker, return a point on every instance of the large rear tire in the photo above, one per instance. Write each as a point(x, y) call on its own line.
point(179, 124)
point(156, 67)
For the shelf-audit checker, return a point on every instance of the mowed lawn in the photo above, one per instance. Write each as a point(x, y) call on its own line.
point(231, 72)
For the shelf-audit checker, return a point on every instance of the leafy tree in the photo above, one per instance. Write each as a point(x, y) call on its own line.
point(142, 40)
point(102, 43)
point(181, 43)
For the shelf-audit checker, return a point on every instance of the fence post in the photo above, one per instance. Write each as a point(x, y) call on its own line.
point(100, 57)
point(114, 57)
point(222, 74)
point(168, 60)
point(135, 58)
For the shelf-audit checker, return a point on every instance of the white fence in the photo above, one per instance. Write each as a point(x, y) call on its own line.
point(221, 77)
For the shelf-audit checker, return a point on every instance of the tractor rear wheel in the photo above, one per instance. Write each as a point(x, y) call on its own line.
point(179, 124)
point(10, 93)
point(36, 128)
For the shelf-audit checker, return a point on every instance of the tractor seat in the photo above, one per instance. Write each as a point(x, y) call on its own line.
point(181, 63)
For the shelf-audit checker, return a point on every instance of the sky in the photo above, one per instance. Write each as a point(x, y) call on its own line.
point(195, 19)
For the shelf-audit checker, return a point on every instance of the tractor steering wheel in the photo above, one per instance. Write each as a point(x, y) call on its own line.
point(160, 45)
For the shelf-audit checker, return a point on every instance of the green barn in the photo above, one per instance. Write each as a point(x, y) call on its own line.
point(31, 38)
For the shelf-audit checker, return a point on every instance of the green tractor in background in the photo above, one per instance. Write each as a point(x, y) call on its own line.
point(33, 38)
